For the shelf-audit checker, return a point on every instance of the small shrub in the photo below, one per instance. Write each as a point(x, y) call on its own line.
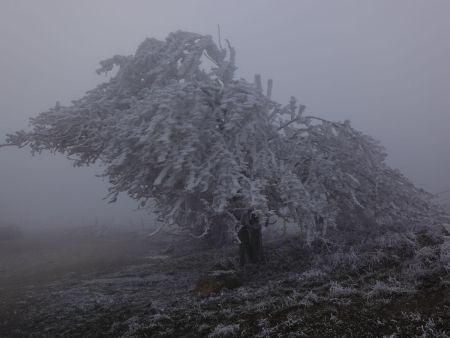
point(225, 331)
point(338, 290)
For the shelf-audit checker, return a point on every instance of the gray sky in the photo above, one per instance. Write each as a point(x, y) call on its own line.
point(383, 64)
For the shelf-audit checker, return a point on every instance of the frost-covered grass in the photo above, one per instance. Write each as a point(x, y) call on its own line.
point(386, 287)
point(225, 331)
point(339, 290)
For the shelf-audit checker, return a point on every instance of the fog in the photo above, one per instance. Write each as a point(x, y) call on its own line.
point(382, 64)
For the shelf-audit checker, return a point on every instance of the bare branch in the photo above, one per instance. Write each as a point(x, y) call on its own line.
point(231, 67)
point(288, 123)
point(269, 88)
point(258, 83)
point(157, 230)
point(219, 37)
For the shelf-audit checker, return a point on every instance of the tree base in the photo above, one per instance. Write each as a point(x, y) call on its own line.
point(251, 246)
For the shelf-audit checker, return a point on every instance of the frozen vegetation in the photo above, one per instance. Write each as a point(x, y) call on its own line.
point(206, 152)
point(393, 288)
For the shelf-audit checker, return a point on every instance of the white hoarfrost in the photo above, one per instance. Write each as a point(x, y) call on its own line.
point(174, 127)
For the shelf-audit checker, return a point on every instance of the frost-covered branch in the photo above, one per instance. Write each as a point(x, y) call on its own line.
point(205, 146)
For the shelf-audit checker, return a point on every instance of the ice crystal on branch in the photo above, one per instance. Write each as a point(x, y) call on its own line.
point(205, 147)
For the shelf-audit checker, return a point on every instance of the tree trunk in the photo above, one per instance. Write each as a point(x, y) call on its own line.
point(251, 246)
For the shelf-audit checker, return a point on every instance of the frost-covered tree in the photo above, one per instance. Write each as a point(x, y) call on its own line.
point(174, 127)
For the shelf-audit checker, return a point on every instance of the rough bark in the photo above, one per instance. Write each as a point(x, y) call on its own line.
point(251, 245)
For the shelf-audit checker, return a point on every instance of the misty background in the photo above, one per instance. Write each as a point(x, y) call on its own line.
point(384, 65)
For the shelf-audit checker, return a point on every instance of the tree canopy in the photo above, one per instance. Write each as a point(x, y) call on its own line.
point(173, 126)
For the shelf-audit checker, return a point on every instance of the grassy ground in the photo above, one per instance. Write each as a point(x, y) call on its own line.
point(126, 286)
